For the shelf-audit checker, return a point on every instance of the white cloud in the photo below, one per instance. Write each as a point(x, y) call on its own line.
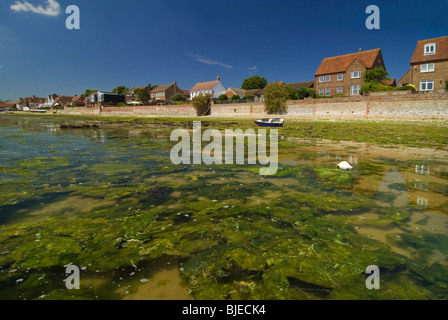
point(52, 9)
point(252, 68)
point(209, 61)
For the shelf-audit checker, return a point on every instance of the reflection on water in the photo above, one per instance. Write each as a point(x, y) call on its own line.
point(107, 198)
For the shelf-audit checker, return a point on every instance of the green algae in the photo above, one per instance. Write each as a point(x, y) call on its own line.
point(297, 244)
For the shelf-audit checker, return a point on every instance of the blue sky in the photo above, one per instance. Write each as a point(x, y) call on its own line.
point(136, 42)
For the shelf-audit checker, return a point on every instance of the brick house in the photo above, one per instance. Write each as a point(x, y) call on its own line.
point(129, 96)
point(165, 92)
point(345, 74)
point(429, 65)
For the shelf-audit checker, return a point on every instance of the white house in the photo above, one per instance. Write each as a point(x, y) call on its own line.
point(215, 88)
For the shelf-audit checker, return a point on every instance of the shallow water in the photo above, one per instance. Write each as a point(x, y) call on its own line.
point(109, 200)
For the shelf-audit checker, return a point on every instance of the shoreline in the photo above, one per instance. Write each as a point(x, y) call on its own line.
point(418, 133)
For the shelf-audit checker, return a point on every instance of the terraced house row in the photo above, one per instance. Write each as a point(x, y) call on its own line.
point(344, 74)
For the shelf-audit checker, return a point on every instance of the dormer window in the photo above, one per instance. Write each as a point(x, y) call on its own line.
point(430, 49)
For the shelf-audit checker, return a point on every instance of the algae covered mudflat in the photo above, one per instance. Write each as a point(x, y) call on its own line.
point(108, 199)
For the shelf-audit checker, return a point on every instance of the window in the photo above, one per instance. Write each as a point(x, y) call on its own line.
point(321, 92)
point(427, 85)
point(321, 79)
point(427, 67)
point(355, 90)
point(430, 49)
point(340, 77)
point(327, 91)
point(327, 78)
point(356, 74)
point(340, 90)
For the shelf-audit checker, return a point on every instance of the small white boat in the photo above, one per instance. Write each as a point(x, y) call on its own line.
point(270, 122)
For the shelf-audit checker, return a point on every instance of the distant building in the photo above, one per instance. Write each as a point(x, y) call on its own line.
point(429, 65)
point(165, 92)
point(344, 74)
point(215, 88)
point(130, 93)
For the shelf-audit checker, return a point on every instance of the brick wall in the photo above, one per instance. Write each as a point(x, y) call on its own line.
point(393, 104)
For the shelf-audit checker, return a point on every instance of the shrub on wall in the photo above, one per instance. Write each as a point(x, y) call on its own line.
point(375, 87)
point(223, 97)
point(235, 97)
point(275, 97)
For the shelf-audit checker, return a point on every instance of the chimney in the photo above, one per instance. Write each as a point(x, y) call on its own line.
point(360, 50)
point(175, 83)
point(218, 78)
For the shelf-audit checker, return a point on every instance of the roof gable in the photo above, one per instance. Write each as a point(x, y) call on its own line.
point(341, 63)
point(205, 85)
point(441, 50)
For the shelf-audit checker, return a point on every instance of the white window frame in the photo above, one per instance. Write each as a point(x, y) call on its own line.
point(340, 90)
point(353, 74)
point(355, 89)
point(425, 83)
point(341, 77)
point(321, 92)
point(427, 50)
point(327, 92)
point(321, 79)
point(427, 67)
point(329, 78)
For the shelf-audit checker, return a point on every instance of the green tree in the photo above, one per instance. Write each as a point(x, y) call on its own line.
point(141, 95)
point(275, 97)
point(235, 97)
point(250, 97)
point(89, 91)
point(303, 93)
point(377, 74)
point(292, 93)
point(202, 103)
point(223, 97)
point(255, 82)
point(120, 90)
point(178, 97)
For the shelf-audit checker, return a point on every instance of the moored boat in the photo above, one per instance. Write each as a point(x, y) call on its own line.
point(270, 122)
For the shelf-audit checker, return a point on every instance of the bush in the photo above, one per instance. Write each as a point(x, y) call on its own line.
point(250, 97)
point(223, 97)
point(122, 104)
point(377, 74)
point(202, 103)
point(178, 97)
point(339, 95)
point(235, 97)
point(375, 87)
point(407, 87)
point(275, 97)
point(303, 93)
point(312, 93)
point(292, 93)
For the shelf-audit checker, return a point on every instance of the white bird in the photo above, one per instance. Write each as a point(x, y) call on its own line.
point(344, 165)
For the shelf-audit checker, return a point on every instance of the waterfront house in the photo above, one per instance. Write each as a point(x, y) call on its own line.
point(345, 74)
point(78, 101)
point(129, 96)
point(165, 92)
point(6, 106)
point(236, 92)
point(215, 88)
point(62, 101)
point(429, 65)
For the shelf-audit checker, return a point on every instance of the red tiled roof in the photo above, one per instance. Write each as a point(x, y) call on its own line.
point(205, 85)
point(441, 50)
point(297, 85)
point(161, 88)
point(341, 63)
